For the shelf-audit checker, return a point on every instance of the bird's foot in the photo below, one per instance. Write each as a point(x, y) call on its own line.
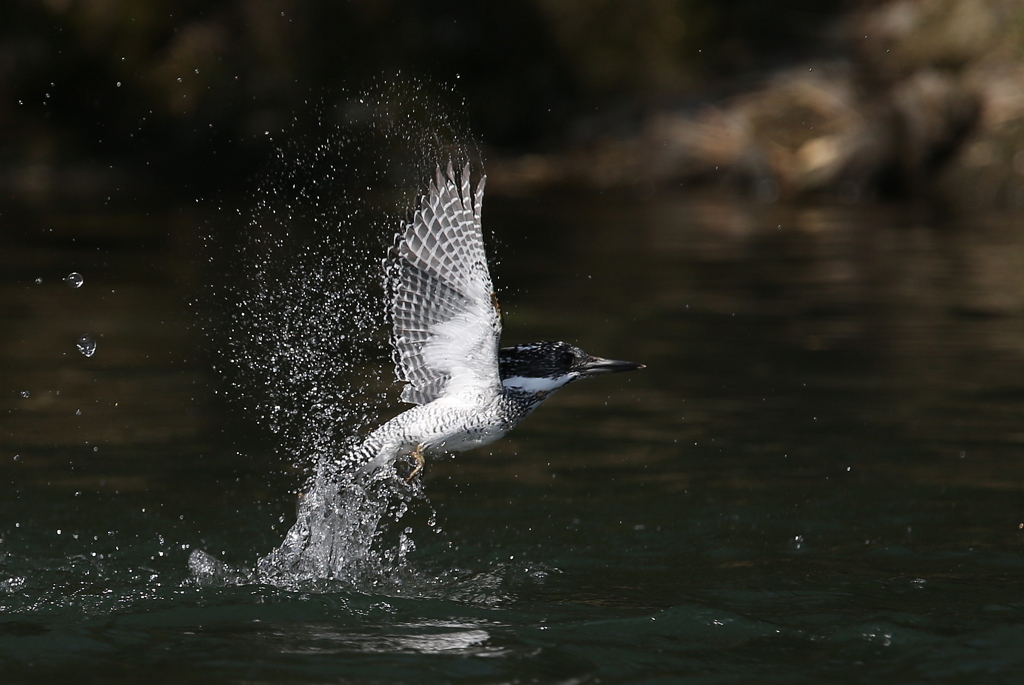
point(417, 455)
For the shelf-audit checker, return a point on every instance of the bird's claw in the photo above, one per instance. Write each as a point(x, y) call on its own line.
point(417, 454)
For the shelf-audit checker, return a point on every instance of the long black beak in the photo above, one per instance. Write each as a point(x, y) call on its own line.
point(596, 366)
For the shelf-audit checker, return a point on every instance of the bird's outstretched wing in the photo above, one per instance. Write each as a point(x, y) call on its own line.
point(445, 314)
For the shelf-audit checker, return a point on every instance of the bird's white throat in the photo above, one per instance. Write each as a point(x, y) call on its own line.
point(536, 385)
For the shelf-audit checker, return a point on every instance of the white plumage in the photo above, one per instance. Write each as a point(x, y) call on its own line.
point(446, 324)
point(468, 391)
point(446, 332)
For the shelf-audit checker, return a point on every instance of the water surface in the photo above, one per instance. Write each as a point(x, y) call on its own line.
point(818, 476)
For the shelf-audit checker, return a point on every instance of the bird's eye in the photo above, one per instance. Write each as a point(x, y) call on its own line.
point(566, 359)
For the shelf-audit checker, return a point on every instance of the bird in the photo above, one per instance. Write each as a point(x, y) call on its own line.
point(446, 326)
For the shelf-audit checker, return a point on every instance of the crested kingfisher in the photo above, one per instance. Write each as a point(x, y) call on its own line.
point(446, 330)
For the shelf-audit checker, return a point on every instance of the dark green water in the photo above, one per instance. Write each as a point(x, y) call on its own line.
point(818, 477)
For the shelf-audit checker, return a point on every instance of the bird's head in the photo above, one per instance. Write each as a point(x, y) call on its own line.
point(540, 368)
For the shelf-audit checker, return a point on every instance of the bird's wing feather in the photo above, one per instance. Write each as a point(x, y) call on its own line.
point(446, 321)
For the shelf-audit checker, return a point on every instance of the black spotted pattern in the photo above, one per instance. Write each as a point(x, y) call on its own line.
point(548, 359)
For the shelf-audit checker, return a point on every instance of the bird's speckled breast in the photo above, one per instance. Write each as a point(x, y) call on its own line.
point(444, 425)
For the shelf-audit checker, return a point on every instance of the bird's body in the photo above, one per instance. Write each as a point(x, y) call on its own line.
point(468, 392)
point(444, 425)
point(447, 325)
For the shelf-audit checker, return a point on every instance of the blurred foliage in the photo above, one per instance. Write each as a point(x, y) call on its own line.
point(183, 91)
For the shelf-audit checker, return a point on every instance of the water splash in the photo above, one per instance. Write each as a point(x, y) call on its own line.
point(86, 344)
point(340, 532)
point(299, 322)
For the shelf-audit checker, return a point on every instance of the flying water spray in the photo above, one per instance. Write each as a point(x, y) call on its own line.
point(299, 326)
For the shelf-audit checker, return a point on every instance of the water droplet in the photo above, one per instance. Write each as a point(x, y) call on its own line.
point(86, 344)
point(25, 393)
point(74, 279)
point(78, 412)
point(39, 281)
point(118, 84)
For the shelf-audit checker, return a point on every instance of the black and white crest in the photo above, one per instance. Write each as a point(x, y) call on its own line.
point(548, 359)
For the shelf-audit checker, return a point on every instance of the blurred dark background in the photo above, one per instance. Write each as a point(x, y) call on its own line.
point(97, 94)
point(852, 98)
point(128, 129)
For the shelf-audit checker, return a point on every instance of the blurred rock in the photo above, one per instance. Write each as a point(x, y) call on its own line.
point(892, 40)
point(928, 100)
point(989, 169)
point(915, 97)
